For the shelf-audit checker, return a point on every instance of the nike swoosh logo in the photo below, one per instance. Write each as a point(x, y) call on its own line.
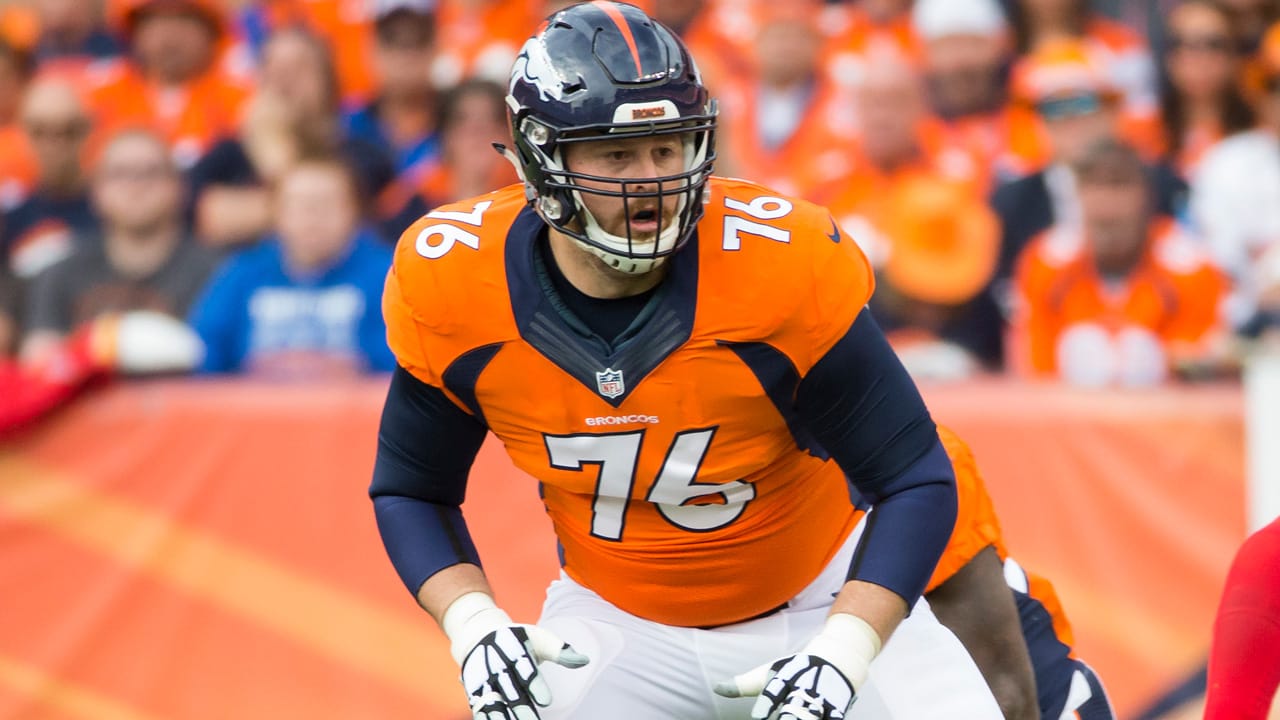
point(835, 232)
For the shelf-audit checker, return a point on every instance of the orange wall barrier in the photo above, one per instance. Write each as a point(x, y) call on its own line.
point(205, 550)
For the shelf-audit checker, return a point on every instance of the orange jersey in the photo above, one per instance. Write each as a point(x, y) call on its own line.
point(873, 203)
point(666, 501)
point(192, 117)
point(814, 158)
point(1174, 295)
point(977, 527)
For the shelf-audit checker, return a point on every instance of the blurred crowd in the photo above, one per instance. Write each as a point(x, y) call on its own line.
point(1050, 188)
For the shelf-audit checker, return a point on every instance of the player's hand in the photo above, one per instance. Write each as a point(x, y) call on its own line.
point(799, 687)
point(499, 659)
point(818, 683)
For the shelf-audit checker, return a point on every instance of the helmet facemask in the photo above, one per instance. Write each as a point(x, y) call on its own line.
point(558, 191)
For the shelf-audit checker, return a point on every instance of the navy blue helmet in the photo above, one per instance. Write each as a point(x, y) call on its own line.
point(605, 70)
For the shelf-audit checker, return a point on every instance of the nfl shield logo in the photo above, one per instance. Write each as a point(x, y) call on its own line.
point(609, 382)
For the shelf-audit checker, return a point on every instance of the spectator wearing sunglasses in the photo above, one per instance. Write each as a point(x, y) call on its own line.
point(1075, 106)
point(1234, 200)
point(1121, 54)
point(1202, 100)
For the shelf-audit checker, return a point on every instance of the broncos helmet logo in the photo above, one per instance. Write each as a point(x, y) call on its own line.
point(534, 66)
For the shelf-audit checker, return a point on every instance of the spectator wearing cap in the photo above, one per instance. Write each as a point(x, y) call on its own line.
point(915, 203)
point(143, 260)
point(1202, 101)
point(17, 164)
point(306, 304)
point(73, 30)
point(1122, 55)
point(172, 80)
point(1122, 298)
point(966, 50)
point(401, 120)
point(479, 38)
point(1235, 191)
point(43, 228)
point(1062, 94)
point(787, 123)
point(295, 112)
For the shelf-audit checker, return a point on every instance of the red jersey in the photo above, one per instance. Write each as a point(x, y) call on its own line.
point(654, 490)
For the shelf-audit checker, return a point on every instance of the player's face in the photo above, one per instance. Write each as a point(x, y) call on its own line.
point(638, 161)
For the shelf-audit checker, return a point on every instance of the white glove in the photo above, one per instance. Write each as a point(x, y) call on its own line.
point(144, 341)
point(818, 683)
point(499, 659)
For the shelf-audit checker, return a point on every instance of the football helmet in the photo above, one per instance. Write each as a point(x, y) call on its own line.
point(606, 71)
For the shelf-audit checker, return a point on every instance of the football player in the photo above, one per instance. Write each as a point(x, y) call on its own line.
point(1021, 640)
point(685, 365)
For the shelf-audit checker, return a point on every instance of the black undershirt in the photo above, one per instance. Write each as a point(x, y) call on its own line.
point(606, 317)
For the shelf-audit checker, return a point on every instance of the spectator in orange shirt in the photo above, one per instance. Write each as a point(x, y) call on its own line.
point(966, 48)
point(44, 228)
point(1119, 51)
point(172, 81)
point(1120, 299)
point(73, 30)
point(787, 123)
point(293, 113)
point(915, 203)
point(1202, 101)
point(17, 166)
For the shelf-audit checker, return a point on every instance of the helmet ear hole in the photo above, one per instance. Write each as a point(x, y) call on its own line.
point(551, 207)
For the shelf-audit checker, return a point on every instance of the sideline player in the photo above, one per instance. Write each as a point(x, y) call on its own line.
point(684, 364)
point(1021, 640)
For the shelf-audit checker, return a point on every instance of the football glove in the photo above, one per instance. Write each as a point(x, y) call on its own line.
point(818, 683)
point(499, 659)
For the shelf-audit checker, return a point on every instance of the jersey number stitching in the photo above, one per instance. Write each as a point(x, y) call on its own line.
point(450, 235)
point(761, 208)
point(676, 492)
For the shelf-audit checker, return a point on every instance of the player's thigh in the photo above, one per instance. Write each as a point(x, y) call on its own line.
point(925, 672)
point(637, 671)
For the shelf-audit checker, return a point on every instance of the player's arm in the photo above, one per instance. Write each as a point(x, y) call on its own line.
point(976, 605)
point(426, 446)
point(862, 406)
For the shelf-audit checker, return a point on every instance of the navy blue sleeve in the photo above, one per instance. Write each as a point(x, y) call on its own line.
point(426, 446)
point(862, 406)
